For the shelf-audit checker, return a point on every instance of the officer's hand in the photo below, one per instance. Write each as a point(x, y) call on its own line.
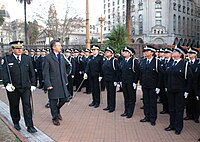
point(85, 76)
point(115, 83)
point(80, 72)
point(120, 83)
point(157, 90)
point(35, 70)
point(10, 87)
point(197, 98)
point(100, 78)
point(134, 86)
point(50, 88)
point(165, 89)
point(186, 94)
point(33, 88)
point(72, 76)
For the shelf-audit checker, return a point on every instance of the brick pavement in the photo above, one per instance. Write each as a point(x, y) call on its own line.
point(85, 124)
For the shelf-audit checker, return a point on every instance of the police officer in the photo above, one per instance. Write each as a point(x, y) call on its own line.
point(94, 69)
point(38, 68)
point(179, 77)
point(151, 73)
point(130, 76)
point(191, 101)
point(19, 80)
point(110, 70)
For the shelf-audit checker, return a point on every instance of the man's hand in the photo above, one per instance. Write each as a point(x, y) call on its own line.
point(85, 76)
point(10, 87)
point(115, 84)
point(186, 94)
point(157, 90)
point(50, 88)
point(33, 88)
point(100, 78)
point(134, 86)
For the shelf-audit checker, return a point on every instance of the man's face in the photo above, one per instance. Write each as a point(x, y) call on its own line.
point(17, 51)
point(108, 54)
point(95, 51)
point(168, 55)
point(176, 54)
point(67, 54)
point(148, 53)
point(32, 53)
point(57, 47)
point(191, 56)
point(38, 53)
point(126, 54)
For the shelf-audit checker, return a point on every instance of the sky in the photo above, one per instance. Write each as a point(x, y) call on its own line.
point(77, 7)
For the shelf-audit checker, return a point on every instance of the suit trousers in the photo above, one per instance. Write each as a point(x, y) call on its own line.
point(111, 95)
point(95, 90)
point(14, 99)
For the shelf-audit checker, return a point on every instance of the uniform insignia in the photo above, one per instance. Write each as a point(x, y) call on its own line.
point(2, 61)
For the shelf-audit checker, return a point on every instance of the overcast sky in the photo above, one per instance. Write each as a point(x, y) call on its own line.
point(77, 7)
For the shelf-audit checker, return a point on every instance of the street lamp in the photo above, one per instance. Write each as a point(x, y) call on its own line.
point(101, 20)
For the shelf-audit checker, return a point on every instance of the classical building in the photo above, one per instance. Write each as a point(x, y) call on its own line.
point(159, 21)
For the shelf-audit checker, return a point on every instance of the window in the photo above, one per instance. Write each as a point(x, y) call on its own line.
point(118, 2)
point(158, 22)
point(108, 10)
point(140, 6)
point(179, 7)
point(113, 3)
point(184, 24)
point(158, 4)
point(179, 24)
point(188, 10)
point(174, 23)
point(158, 14)
point(123, 7)
point(108, 16)
point(104, 6)
point(140, 24)
point(174, 6)
point(184, 9)
point(108, 4)
point(122, 1)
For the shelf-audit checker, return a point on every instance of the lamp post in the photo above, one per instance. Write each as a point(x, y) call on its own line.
point(101, 20)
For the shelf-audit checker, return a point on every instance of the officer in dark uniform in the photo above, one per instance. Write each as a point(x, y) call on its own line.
point(151, 74)
point(38, 67)
point(71, 76)
point(110, 70)
point(94, 69)
point(191, 101)
point(19, 80)
point(179, 77)
point(130, 76)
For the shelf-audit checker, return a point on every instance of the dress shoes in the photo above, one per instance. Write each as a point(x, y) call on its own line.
point(196, 121)
point(17, 127)
point(56, 122)
point(124, 114)
point(199, 139)
point(142, 107)
point(145, 120)
point(91, 104)
point(128, 116)
point(177, 132)
point(110, 111)
point(59, 117)
point(186, 118)
point(47, 105)
point(96, 106)
point(153, 123)
point(31, 129)
point(169, 129)
point(106, 109)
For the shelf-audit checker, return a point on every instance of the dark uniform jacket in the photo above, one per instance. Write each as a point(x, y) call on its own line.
point(130, 71)
point(22, 74)
point(72, 61)
point(55, 74)
point(94, 66)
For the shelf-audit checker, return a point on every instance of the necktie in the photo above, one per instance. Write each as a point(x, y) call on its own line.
point(174, 64)
point(58, 56)
point(18, 59)
point(148, 62)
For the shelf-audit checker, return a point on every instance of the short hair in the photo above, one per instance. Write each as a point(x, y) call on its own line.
point(52, 43)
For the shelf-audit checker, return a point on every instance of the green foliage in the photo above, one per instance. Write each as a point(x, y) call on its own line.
point(32, 31)
point(118, 37)
point(1, 20)
point(93, 41)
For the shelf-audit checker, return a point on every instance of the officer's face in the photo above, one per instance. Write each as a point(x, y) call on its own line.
point(95, 51)
point(191, 56)
point(126, 54)
point(17, 51)
point(32, 53)
point(67, 54)
point(168, 55)
point(176, 54)
point(149, 54)
point(57, 47)
point(108, 54)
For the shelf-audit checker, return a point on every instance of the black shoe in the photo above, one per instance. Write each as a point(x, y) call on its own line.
point(186, 118)
point(128, 116)
point(31, 129)
point(70, 97)
point(96, 106)
point(17, 127)
point(196, 121)
point(153, 123)
point(145, 120)
point(169, 129)
point(106, 109)
point(91, 104)
point(142, 107)
point(141, 99)
point(111, 111)
point(199, 139)
point(56, 122)
point(124, 114)
point(177, 132)
point(163, 112)
point(59, 117)
point(47, 105)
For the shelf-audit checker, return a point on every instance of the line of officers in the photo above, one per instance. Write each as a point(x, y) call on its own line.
point(167, 75)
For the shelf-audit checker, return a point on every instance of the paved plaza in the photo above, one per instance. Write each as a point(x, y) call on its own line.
point(82, 123)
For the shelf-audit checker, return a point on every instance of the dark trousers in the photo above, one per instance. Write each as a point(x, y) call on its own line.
point(70, 85)
point(129, 98)
point(192, 108)
point(176, 110)
point(88, 85)
point(95, 90)
point(165, 102)
point(111, 95)
point(55, 105)
point(78, 79)
point(14, 99)
point(40, 78)
point(150, 103)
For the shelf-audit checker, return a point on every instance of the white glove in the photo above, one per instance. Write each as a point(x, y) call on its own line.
point(100, 78)
point(33, 88)
point(80, 72)
point(35, 70)
point(165, 89)
point(72, 76)
point(134, 86)
point(157, 90)
point(115, 83)
point(120, 83)
point(10, 87)
point(197, 98)
point(186, 94)
point(85, 76)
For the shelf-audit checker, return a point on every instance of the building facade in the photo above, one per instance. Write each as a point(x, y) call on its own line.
point(161, 21)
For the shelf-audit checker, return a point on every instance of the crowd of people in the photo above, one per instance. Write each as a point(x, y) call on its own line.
point(171, 76)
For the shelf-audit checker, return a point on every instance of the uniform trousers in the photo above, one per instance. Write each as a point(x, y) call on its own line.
point(111, 95)
point(95, 86)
